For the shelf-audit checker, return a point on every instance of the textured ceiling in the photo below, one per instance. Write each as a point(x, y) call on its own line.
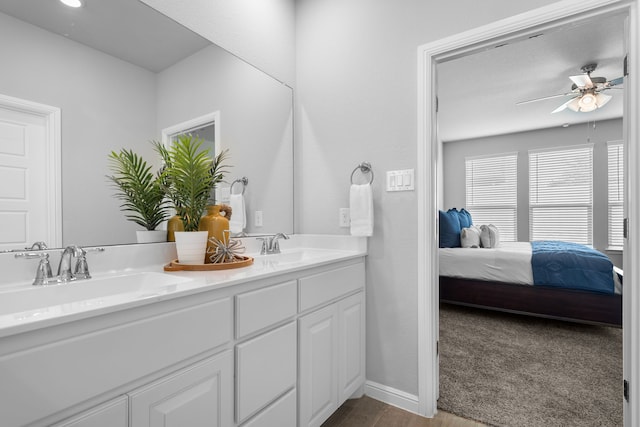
point(478, 93)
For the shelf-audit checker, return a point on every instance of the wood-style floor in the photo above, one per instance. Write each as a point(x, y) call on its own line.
point(368, 412)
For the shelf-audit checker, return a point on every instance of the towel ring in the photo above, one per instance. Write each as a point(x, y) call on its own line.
point(244, 181)
point(365, 167)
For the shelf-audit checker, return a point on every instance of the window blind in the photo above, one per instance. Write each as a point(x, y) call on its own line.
point(561, 194)
point(615, 153)
point(492, 192)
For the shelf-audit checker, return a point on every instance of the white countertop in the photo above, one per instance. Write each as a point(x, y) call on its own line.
point(118, 284)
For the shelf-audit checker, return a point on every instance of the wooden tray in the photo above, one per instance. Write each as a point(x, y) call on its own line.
point(176, 266)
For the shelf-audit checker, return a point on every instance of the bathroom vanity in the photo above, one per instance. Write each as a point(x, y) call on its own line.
point(278, 343)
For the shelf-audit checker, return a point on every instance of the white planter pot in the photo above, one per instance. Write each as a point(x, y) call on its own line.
point(151, 236)
point(191, 246)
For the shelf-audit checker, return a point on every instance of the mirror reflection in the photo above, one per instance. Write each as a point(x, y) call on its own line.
point(123, 74)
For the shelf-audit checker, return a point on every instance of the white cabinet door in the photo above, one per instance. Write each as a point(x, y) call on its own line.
point(318, 377)
point(265, 370)
point(200, 395)
point(351, 326)
point(113, 413)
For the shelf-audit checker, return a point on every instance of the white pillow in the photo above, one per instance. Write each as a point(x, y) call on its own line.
point(470, 237)
point(489, 236)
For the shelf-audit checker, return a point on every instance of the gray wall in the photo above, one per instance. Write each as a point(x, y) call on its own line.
point(356, 95)
point(454, 154)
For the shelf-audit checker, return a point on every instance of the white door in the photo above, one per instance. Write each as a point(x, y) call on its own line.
point(29, 178)
point(198, 396)
point(351, 324)
point(318, 378)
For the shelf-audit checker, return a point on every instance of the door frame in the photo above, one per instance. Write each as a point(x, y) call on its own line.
point(53, 156)
point(428, 178)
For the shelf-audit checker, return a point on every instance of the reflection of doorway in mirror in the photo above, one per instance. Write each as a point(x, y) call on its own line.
point(207, 128)
point(29, 174)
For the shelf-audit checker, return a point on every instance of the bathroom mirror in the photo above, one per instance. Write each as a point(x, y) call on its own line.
point(121, 73)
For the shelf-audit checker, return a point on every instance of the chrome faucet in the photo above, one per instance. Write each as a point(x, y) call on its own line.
point(270, 245)
point(37, 246)
point(81, 270)
point(43, 273)
point(64, 267)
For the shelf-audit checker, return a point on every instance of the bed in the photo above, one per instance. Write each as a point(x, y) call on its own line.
point(504, 278)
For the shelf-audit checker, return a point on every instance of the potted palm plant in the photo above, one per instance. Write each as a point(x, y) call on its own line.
point(188, 177)
point(142, 195)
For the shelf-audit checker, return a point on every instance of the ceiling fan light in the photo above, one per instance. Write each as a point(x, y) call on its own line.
point(573, 105)
point(587, 102)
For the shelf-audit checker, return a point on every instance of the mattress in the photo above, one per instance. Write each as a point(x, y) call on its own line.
point(508, 263)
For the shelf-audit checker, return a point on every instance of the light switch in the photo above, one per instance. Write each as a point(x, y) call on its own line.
point(400, 180)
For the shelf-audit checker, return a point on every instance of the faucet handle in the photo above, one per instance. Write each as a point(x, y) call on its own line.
point(264, 248)
point(43, 272)
point(82, 267)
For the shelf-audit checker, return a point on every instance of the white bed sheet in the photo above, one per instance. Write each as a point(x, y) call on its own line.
point(509, 263)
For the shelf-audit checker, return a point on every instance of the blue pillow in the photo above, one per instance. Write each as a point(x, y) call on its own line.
point(465, 218)
point(449, 229)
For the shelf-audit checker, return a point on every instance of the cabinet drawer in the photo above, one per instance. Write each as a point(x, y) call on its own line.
point(264, 307)
point(326, 286)
point(282, 413)
point(265, 369)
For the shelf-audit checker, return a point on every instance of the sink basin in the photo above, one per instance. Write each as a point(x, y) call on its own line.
point(86, 292)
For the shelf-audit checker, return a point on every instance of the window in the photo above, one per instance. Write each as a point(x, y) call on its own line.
point(561, 194)
point(492, 192)
point(615, 153)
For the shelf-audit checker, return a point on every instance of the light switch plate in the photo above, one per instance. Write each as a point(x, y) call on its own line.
point(400, 180)
point(344, 217)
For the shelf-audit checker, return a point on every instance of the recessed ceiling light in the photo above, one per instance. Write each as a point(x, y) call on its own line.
point(72, 3)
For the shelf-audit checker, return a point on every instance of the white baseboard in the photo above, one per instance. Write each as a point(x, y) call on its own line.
point(392, 396)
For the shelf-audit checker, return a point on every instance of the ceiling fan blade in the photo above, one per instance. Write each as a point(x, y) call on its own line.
point(565, 105)
point(543, 98)
point(582, 80)
point(615, 82)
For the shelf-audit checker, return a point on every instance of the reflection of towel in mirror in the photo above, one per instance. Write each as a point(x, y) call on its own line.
point(238, 220)
point(361, 210)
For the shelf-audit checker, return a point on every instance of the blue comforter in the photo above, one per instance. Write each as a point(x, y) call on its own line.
point(571, 265)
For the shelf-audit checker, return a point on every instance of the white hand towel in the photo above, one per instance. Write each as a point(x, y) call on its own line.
point(238, 220)
point(361, 209)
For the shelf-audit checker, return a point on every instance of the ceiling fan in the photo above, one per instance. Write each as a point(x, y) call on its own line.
point(586, 91)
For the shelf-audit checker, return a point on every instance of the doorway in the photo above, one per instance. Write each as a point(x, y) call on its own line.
point(30, 174)
point(430, 176)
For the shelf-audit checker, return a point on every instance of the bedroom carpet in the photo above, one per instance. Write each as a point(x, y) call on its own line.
point(518, 371)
